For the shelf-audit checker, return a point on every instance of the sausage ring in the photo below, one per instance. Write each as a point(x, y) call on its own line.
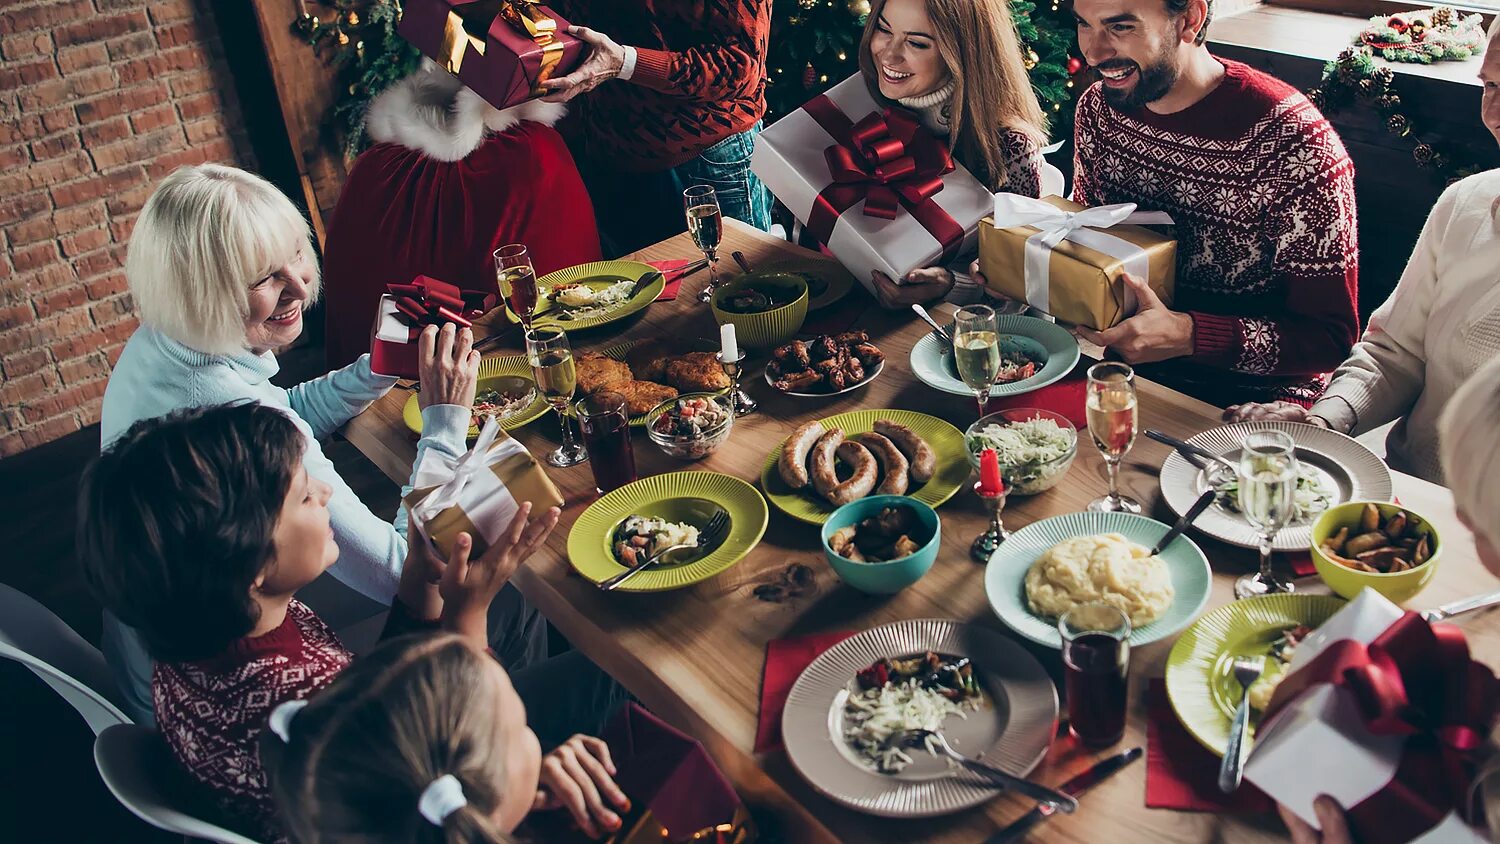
point(862, 481)
point(918, 453)
point(793, 462)
point(824, 471)
point(892, 463)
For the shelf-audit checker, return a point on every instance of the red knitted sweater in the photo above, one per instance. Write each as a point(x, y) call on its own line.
point(700, 76)
point(1262, 191)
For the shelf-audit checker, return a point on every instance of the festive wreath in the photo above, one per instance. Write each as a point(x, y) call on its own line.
point(1438, 34)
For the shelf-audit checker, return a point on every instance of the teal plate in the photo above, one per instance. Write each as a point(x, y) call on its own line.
point(932, 362)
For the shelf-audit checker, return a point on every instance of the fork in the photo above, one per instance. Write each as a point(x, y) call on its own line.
point(711, 534)
point(1246, 671)
point(919, 738)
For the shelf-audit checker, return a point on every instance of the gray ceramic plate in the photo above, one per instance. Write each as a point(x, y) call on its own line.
point(1012, 730)
point(1348, 470)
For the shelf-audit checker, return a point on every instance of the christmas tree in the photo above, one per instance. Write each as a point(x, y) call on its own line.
point(814, 45)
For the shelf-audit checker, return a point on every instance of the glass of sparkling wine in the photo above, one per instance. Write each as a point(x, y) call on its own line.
point(517, 280)
point(976, 349)
point(1113, 424)
point(1268, 488)
point(706, 227)
point(551, 359)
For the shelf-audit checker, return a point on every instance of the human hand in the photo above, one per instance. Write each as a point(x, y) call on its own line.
point(420, 575)
point(1330, 817)
point(1276, 411)
point(923, 285)
point(1154, 333)
point(578, 776)
point(467, 588)
point(603, 64)
point(448, 366)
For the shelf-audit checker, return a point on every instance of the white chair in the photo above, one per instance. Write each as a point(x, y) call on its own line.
point(31, 635)
point(139, 770)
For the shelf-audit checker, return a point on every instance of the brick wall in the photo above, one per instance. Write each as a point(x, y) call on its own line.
point(98, 100)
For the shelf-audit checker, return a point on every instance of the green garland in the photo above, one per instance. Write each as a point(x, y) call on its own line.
point(368, 57)
point(1356, 76)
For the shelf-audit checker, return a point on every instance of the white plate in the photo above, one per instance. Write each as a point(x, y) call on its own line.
point(932, 361)
point(1005, 576)
point(1012, 733)
point(1353, 472)
point(870, 375)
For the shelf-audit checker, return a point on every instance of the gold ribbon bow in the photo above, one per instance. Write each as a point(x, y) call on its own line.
point(468, 25)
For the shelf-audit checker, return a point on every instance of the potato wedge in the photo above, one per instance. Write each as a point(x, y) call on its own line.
point(1396, 525)
point(1366, 542)
point(1423, 551)
point(1369, 520)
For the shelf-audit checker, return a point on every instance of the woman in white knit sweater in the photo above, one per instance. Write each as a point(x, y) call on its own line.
point(1438, 327)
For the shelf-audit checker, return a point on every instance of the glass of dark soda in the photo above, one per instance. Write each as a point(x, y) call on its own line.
point(1096, 665)
point(605, 421)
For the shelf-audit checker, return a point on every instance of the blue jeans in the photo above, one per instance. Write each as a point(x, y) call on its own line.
point(636, 210)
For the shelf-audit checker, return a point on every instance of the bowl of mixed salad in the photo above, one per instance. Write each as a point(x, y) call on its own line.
point(691, 426)
point(1035, 447)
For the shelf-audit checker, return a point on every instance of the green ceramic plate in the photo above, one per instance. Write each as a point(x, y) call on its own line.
point(1005, 576)
point(932, 361)
point(691, 497)
point(946, 440)
point(1200, 677)
point(827, 281)
point(598, 275)
point(492, 372)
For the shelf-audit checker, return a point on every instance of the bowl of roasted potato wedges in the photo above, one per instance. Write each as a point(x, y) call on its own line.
point(1384, 546)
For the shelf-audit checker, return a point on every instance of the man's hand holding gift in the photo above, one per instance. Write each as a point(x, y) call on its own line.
point(1330, 817)
point(605, 61)
point(1154, 333)
point(918, 287)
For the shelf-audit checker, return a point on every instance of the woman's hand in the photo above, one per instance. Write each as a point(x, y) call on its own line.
point(1330, 817)
point(578, 776)
point(605, 59)
point(923, 285)
point(468, 587)
point(1275, 411)
point(447, 365)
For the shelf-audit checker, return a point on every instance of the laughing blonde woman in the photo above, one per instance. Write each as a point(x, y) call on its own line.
point(957, 64)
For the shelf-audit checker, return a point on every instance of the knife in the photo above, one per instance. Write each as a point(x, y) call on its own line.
point(1193, 512)
point(1477, 602)
point(1073, 787)
point(1190, 451)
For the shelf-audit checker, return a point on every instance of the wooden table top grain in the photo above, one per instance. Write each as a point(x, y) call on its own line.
point(695, 655)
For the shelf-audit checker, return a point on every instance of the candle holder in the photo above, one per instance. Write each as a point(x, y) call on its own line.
point(987, 543)
point(738, 399)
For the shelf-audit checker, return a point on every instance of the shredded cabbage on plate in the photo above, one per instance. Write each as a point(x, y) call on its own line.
point(602, 302)
point(1311, 499)
point(1027, 450)
point(873, 716)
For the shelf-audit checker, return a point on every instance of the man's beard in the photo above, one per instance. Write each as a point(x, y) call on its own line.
point(1152, 82)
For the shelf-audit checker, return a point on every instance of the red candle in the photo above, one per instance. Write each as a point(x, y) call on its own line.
point(990, 482)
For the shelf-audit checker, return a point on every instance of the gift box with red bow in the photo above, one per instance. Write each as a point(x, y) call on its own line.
point(502, 49)
point(880, 190)
point(405, 309)
point(1389, 715)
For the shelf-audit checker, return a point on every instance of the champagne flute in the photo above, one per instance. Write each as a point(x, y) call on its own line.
point(1113, 424)
point(976, 349)
point(517, 280)
point(706, 226)
point(551, 358)
point(1268, 489)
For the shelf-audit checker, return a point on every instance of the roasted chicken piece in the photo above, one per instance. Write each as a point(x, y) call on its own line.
point(641, 396)
point(696, 372)
point(867, 353)
point(799, 382)
point(596, 372)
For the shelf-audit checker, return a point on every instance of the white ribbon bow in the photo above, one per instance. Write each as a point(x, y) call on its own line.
point(1082, 227)
point(468, 477)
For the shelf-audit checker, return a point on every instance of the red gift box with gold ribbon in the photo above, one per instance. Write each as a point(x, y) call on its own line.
point(872, 183)
point(502, 49)
point(405, 309)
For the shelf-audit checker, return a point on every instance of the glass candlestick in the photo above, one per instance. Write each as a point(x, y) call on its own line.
point(738, 399)
point(988, 542)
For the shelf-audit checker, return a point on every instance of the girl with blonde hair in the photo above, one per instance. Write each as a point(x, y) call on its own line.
point(958, 65)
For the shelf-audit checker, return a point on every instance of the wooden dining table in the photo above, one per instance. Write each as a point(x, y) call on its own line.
point(695, 655)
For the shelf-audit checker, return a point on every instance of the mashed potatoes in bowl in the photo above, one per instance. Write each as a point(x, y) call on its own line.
point(1104, 567)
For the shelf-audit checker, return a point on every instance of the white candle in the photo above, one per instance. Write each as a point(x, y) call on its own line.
point(729, 349)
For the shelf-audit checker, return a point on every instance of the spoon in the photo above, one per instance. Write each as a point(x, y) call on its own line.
point(940, 331)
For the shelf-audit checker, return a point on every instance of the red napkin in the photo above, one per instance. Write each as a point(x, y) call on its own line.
point(668, 269)
point(785, 661)
point(1182, 774)
point(1068, 397)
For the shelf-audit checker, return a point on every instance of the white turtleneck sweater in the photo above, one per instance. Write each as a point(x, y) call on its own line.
point(933, 108)
point(1440, 324)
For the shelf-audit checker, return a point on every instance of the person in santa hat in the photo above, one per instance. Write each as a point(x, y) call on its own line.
point(449, 180)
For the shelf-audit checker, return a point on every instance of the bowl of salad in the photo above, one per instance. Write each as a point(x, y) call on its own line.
point(691, 426)
point(1035, 447)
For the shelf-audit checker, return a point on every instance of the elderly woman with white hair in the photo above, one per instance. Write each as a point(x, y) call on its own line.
point(1469, 429)
point(221, 268)
point(1440, 324)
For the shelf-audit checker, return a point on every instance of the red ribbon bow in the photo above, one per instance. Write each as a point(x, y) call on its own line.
point(888, 160)
point(1415, 680)
point(428, 301)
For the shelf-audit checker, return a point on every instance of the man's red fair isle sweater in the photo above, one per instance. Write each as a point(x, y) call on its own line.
point(700, 76)
point(1262, 192)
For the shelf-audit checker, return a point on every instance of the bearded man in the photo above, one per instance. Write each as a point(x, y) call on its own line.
point(1262, 191)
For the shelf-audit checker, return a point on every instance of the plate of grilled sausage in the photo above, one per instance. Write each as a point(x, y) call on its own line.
point(828, 463)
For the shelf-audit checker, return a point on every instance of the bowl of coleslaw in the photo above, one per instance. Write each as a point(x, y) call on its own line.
point(1035, 447)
